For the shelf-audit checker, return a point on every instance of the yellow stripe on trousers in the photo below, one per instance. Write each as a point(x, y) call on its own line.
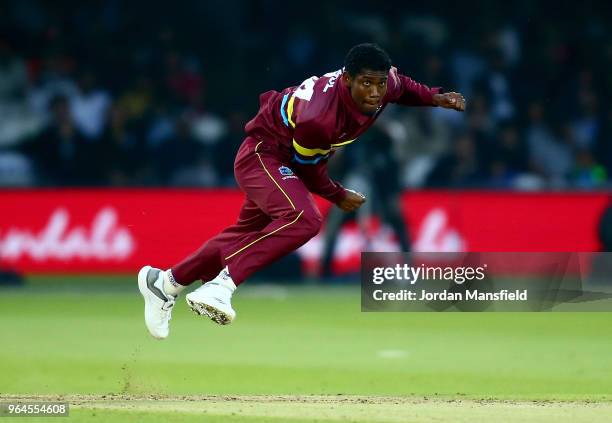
point(277, 229)
point(273, 180)
point(265, 236)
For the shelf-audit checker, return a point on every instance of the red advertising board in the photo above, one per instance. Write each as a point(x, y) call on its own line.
point(108, 230)
point(76, 231)
point(504, 221)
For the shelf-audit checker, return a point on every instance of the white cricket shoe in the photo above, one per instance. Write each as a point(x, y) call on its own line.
point(214, 299)
point(158, 304)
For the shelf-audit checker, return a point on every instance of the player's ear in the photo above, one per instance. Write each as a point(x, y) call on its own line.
point(346, 79)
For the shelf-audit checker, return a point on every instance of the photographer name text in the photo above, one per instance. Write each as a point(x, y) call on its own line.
point(474, 295)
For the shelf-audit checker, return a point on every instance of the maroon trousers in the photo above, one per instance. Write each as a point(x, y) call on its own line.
point(278, 216)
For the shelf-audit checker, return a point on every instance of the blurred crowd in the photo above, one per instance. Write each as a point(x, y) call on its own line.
point(114, 93)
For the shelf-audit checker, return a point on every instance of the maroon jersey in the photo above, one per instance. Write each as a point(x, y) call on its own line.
point(304, 125)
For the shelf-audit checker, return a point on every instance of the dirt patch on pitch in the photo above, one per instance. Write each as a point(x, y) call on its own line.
point(336, 408)
point(303, 399)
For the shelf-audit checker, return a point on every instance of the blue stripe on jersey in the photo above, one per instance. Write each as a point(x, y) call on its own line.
point(283, 114)
point(313, 161)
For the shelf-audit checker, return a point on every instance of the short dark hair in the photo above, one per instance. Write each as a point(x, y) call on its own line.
point(366, 56)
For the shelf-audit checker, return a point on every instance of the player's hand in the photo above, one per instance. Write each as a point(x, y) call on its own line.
point(352, 201)
point(450, 101)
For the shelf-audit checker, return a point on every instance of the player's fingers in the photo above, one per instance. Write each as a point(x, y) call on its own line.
point(461, 104)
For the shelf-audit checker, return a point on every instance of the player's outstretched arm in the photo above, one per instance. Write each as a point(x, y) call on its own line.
point(451, 100)
point(404, 90)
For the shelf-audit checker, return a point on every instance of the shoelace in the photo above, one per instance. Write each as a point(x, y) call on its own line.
point(166, 309)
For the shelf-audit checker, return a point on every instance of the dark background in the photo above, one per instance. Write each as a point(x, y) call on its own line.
point(112, 93)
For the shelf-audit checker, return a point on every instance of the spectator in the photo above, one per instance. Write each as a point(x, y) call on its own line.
point(587, 173)
point(604, 143)
point(459, 168)
point(89, 106)
point(508, 158)
point(119, 152)
point(13, 74)
point(61, 153)
point(549, 155)
point(184, 81)
point(586, 125)
point(190, 163)
point(17, 119)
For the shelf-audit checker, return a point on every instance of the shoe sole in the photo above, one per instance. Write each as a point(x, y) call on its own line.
point(214, 314)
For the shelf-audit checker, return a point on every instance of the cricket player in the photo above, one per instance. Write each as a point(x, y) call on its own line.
point(280, 163)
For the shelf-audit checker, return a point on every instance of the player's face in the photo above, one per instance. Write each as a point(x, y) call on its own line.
point(367, 89)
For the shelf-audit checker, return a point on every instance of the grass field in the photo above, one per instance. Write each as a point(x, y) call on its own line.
point(296, 355)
